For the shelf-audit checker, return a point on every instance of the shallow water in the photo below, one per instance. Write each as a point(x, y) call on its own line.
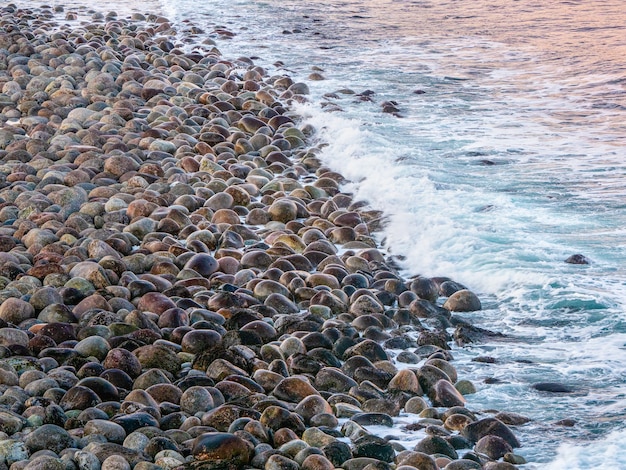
point(508, 159)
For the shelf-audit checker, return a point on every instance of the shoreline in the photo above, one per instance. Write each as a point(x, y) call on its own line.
point(165, 226)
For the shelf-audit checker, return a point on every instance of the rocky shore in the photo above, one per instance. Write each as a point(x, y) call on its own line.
point(183, 283)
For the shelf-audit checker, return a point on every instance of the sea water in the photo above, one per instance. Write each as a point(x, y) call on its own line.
point(506, 156)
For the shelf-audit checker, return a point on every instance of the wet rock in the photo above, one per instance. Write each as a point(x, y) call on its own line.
point(294, 389)
point(275, 417)
point(373, 447)
point(552, 387)
point(444, 394)
point(221, 450)
point(436, 445)
point(493, 447)
point(463, 301)
point(490, 426)
point(578, 259)
point(465, 334)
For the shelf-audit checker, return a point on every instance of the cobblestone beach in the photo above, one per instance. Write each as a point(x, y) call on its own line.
point(185, 285)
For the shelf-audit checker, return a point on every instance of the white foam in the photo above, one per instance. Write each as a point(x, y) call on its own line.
point(605, 453)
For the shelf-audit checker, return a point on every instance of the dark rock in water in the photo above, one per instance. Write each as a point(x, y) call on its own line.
point(425, 288)
point(568, 423)
point(438, 339)
point(378, 377)
point(444, 394)
point(370, 419)
point(552, 387)
point(490, 426)
point(493, 447)
point(464, 464)
point(436, 445)
point(337, 452)
point(221, 451)
point(463, 301)
point(374, 447)
point(499, 466)
point(512, 419)
point(428, 376)
point(447, 288)
point(465, 334)
point(578, 259)
point(50, 437)
point(416, 459)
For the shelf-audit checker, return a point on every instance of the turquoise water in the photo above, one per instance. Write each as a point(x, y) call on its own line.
point(507, 156)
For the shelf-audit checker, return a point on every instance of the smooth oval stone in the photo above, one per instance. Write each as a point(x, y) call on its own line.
point(493, 446)
point(203, 263)
point(311, 406)
point(196, 399)
point(79, 398)
point(444, 394)
point(276, 418)
point(155, 302)
point(463, 301)
point(124, 360)
point(134, 421)
point(13, 336)
point(436, 445)
point(490, 426)
point(294, 389)
point(167, 393)
point(197, 341)
point(50, 437)
point(15, 311)
point(221, 449)
point(105, 390)
point(95, 346)
point(111, 431)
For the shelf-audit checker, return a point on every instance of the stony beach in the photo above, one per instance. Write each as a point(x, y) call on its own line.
point(185, 285)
